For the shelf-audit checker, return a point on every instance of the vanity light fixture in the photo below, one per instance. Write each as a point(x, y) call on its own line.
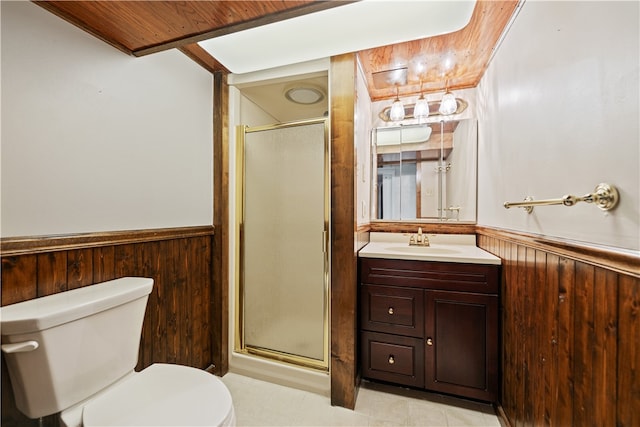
point(397, 109)
point(421, 109)
point(448, 105)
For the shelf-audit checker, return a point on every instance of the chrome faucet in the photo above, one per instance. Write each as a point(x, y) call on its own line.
point(419, 239)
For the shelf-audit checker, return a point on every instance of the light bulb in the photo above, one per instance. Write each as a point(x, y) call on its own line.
point(421, 109)
point(397, 111)
point(448, 105)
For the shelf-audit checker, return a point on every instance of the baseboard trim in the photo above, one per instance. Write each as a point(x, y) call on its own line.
point(502, 416)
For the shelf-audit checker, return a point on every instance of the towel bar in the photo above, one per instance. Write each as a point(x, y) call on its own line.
point(604, 196)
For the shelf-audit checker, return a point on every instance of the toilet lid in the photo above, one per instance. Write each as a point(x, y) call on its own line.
point(163, 395)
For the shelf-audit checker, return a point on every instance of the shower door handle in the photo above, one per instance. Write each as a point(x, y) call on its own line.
point(324, 242)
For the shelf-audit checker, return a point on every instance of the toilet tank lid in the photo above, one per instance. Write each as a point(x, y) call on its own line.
point(46, 312)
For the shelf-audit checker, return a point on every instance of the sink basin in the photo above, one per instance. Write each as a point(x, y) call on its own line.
point(422, 249)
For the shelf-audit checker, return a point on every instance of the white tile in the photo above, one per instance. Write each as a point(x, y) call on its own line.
point(259, 403)
point(491, 420)
point(426, 414)
point(464, 417)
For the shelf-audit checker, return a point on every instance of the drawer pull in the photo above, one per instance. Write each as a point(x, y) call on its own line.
point(390, 311)
point(429, 341)
point(392, 360)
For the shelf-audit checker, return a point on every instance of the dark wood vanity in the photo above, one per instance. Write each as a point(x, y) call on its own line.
point(431, 325)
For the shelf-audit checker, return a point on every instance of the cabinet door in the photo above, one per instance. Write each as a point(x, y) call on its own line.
point(461, 344)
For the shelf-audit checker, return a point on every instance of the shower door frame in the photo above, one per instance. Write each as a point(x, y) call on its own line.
point(239, 339)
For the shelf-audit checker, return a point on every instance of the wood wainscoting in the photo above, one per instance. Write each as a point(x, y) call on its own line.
point(178, 325)
point(570, 332)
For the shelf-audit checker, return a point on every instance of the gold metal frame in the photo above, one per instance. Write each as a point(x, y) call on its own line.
point(239, 342)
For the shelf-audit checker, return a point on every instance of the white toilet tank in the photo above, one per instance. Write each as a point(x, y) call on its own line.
point(63, 348)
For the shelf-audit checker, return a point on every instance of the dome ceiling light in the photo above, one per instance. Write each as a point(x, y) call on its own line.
point(304, 95)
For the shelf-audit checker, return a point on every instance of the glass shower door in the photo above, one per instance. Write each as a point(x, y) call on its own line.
point(283, 243)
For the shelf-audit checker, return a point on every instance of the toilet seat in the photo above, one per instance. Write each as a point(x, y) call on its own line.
point(163, 395)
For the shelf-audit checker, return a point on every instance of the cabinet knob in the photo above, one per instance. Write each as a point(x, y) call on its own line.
point(429, 341)
point(390, 311)
point(392, 360)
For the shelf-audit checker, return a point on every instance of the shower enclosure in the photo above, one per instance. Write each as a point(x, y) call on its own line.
point(282, 304)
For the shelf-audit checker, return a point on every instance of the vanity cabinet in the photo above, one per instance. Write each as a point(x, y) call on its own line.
point(431, 325)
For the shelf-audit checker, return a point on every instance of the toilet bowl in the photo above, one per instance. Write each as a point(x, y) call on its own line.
point(160, 395)
point(74, 353)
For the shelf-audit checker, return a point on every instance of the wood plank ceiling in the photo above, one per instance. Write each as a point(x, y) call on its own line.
point(455, 60)
point(143, 27)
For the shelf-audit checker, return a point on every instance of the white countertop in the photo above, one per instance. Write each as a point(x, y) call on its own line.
point(443, 248)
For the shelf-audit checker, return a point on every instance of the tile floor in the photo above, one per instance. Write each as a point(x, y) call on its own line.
point(258, 403)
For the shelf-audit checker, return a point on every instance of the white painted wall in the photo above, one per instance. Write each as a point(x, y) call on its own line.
point(95, 140)
point(463, 159)
point(362, 136)
point(253, 114)
point(558, 114)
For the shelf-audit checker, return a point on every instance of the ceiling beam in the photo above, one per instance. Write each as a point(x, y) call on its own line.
point(202, 58)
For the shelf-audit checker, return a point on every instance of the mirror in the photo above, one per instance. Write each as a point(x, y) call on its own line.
point(424, 172)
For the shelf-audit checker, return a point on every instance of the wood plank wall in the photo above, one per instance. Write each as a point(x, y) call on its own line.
point(570, 333)
point(178, 321)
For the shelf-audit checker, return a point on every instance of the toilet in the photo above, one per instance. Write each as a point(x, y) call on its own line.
point(74, 353)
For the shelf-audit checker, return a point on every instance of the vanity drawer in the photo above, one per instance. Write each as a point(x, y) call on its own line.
point(393, 358)
point(392, 309)
point(447, 276)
